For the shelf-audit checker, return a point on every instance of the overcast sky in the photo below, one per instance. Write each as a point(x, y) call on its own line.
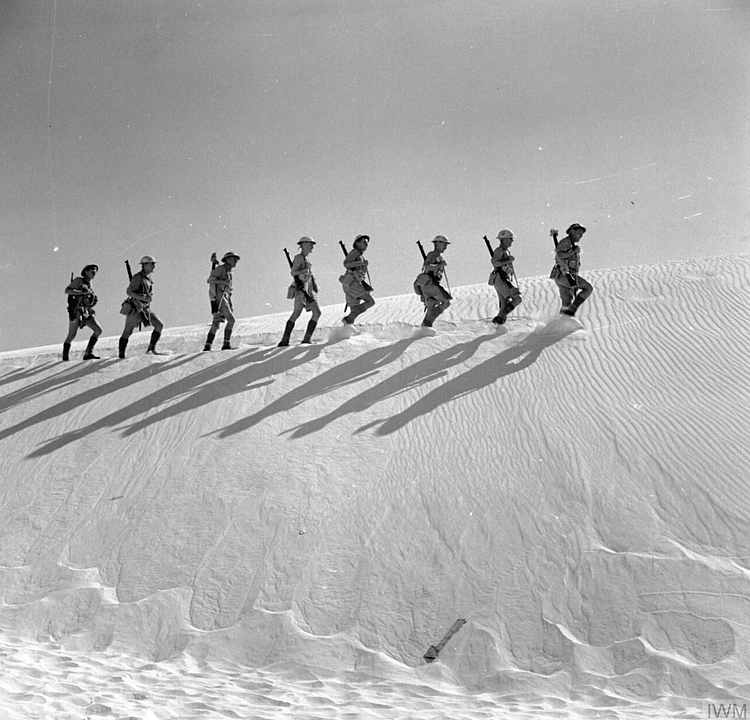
point(179, 128)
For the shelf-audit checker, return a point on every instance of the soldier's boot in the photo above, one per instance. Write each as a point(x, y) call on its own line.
point(122, 345)
point(66, 352)
point(89, 352)
point(354, 313)
point(209, 341)
point(155, 335)
point(573, 307)
point(309, 332)
point(287, 334)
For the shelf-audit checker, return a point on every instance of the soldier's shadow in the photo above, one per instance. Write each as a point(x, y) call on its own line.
point(256, 368)
point(419, 373)
point(67, 375)
point(511, 360)
point(355, 370)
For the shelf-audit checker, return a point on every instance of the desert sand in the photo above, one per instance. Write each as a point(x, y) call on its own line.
point(284, 532)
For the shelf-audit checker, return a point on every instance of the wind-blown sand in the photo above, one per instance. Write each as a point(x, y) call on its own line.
point(283, 532)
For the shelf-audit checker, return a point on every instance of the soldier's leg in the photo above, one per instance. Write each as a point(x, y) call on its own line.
point(584, 291)
point(72, 331)
point(157, 326)
point(431, 304)
point(299, 306)
point(97, 331)
point(502, 312)
point(313, 323)
point(352, 301)
point(132, 320)
point(216, 321)
point(567, 293)
point(443, 303)
point(229, 315)
point(362, 304)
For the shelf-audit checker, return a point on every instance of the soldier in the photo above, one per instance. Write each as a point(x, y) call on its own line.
point(435, 297)
point(81, 301)
point(356, 288)
point(220, 295)
point(503, 277)
point(137, 307)
point(574, 290)
point(303, 291)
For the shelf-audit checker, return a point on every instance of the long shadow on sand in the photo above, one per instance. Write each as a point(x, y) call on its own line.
point(421, 372)
point(21, 374)
point(195, 390)
point(67, 375)
point(273, 362)
point(347, 373)
point(512, 360)
point(88, 396)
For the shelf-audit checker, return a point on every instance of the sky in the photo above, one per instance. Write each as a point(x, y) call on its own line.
point(180, 128)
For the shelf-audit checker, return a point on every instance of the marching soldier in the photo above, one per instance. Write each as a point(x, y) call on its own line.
point(220, 295)
point(303, 291)
point(574, 290)
point(137, 307)
point(436, 298)
point(354, 281)
point(503, 277)
point(81, 313)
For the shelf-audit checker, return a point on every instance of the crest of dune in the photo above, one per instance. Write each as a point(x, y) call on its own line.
point(304, 523)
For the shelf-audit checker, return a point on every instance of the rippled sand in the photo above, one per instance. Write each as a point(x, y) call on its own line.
point(285, 532)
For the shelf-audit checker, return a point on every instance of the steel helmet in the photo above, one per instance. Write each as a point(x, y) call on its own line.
point(305, 239)
point(89, 267)
point(228, 255)
point(148, 259)
point(362, 237)
point(441, 239)
point(505, 235)
point(575, 226)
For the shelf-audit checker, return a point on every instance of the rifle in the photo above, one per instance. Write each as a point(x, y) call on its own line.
point(489, 246)
point(297, 282)
point(136, 304)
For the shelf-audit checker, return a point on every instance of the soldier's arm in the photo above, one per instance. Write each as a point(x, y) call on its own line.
point(433, 262)
point(500, 260)
point(135, 288)
point(299, 267)
point(564, 254)
point(354, 260)
point(76, 288)
point(217, 276)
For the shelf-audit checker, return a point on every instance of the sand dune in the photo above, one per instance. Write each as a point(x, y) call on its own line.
point(284, 532)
